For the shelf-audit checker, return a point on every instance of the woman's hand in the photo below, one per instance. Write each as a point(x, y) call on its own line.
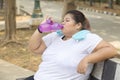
point(46, 18)
point(44, 26)
point(82, 66)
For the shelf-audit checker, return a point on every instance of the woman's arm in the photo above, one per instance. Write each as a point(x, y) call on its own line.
point(36, 44)
point(103, 51)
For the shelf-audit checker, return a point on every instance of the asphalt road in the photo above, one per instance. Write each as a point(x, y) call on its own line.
point(106, 26)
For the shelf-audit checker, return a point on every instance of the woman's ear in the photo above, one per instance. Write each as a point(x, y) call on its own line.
point(78, 26)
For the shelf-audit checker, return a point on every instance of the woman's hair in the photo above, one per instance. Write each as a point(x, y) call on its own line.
point(78, 16)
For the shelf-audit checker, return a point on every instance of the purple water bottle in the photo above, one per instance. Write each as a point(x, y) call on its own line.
point(49, 25)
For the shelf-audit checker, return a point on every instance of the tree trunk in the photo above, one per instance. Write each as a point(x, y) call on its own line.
point(110, 3)
point(1, 4)
point(100, 1)
point(68, 5)
point(10, 19)
point(91, 2)
point(117, 2)
point(84, 1)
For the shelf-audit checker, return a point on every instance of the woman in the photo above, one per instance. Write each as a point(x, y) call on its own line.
point(69, 56)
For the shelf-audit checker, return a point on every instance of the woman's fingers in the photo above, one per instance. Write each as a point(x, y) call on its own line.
point(46, 18)
point(82, 67)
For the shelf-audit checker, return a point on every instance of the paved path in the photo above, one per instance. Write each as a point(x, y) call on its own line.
point(10, 71)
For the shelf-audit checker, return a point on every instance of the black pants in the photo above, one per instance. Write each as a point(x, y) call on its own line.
point(27, 78)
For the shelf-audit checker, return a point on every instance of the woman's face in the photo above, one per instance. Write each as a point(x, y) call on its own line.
point(70, 26)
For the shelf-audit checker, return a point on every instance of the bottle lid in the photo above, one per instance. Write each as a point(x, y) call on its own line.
point(49, 21)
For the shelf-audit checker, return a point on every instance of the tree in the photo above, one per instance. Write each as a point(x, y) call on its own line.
point(84, 1)
point(91, 2)
point(117, 2)
point(10, 21)
point(110, 3)
point(99, 1)
point(1, 4)
point(68, 5)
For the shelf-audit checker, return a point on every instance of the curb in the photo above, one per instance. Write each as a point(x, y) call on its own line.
point(9, 71)
point(99, 11)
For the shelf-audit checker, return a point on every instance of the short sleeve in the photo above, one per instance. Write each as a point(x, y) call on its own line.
point(48, 39)
point(94, 40)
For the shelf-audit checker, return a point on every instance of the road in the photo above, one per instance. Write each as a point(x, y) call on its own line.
point(105, 25)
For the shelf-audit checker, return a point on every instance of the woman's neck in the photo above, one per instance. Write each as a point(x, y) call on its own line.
point(66, 37)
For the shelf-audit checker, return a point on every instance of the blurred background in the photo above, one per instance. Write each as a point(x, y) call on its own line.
point(20, 18)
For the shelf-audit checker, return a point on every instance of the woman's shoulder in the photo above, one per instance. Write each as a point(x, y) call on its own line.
point(92, 36)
